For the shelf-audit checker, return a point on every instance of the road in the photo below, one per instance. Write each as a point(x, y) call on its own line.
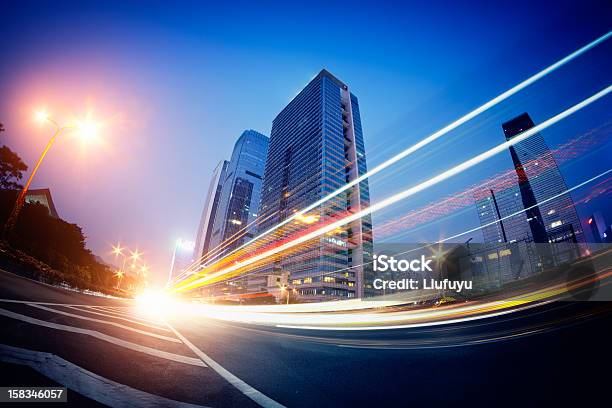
point(106, 351)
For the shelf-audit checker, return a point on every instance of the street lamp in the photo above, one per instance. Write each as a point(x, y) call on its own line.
point(119, 276)
point(135, 256)
point(86, 128)
point(117, 250)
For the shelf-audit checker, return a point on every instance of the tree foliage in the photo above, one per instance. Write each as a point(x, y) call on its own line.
point(53, 241)
point(57, 243)
point(11, 169)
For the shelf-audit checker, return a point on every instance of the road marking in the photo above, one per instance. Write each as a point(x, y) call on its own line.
point(105, 337)
point(260, 398)
point(152, 326)
point(42, 303)
point(112, 309)
point(85, 382)
point(131, 314)
point(134, 313)
point(91, 319)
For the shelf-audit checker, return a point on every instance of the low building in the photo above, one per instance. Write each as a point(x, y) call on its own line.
point(42, 196)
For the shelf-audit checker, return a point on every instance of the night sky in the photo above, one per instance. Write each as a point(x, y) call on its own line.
point(175, 84)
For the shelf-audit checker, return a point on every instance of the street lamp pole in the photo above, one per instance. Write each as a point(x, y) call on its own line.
point(12, 219)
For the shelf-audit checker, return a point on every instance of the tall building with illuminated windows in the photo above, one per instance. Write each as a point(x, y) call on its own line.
point(239, 198)
point(534, 220)
point(554, 218)
point(316, 147)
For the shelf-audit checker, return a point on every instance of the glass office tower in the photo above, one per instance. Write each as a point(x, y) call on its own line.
point(209, 212)
point(240, 193)
point(539, 179)
point(316, 147)
point(533, 220)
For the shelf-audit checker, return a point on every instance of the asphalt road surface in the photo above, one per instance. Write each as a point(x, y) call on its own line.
point(107, 353)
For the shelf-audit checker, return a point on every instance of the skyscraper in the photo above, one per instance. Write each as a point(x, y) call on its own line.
point(509, 252)
point(210, 209)
point(182, 258)
point(237, 211)
point(535, 217)
point(316, 147)
point(502, 217)
point(598, 227)
point(553, 220)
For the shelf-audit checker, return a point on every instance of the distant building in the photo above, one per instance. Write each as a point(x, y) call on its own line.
point(599, 229)
point(532, 225)
point(182, 258)
point(552, 219)
point(239, 198)
point(507, 236)
point(209, 212)
point(316, 147)
point(42, 196)
point(502, 217)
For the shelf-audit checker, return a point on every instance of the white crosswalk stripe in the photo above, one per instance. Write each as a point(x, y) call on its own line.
point(91, 319)
point(101, 336)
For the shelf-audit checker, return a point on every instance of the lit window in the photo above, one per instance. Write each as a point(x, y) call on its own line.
point(556, 224)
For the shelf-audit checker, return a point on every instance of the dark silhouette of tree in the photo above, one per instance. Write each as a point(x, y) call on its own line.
point(11, 168)
point(53, 241)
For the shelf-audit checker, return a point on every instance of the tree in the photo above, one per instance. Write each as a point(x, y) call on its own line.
point(11, 168)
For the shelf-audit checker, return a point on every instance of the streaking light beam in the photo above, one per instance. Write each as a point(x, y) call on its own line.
point(431, 138)
point(404, 194)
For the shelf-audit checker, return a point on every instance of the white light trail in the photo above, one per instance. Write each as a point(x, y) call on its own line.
point(343, 302)
point(429, 139)
point(408, 192)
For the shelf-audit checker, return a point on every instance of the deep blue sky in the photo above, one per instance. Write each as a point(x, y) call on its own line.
point(177, 82)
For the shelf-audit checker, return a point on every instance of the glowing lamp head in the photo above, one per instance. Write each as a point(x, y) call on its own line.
point(135, 255)
point(590, 221)
point(41, 116)
point(87, 129)
point(117, 250)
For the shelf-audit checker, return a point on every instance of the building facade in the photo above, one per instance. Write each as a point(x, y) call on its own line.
point(533, 223)
point(599, 229)
point(509, 252)
point(554, 219)
point(239, 198)
point(42, 196)
point(182, 260)
point(209, 212)
point(316, 147)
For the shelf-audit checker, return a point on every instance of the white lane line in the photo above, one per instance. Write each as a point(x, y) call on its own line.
point(91, 319)
point(131, 314)
point(261, 399)
point(135, 313)
point(132, 320)
point(112, 308)
point(85, 382)
point(42, 303)
point(105, 337)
